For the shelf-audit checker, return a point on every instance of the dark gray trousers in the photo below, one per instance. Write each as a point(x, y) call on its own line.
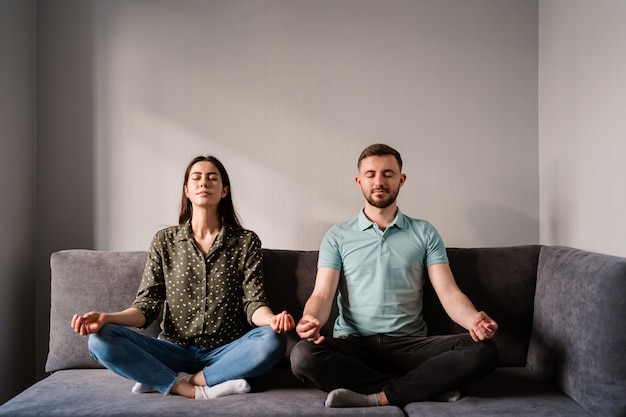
point(406, 369)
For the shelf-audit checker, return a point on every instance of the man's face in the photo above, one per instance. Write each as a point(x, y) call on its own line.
point(380, 180)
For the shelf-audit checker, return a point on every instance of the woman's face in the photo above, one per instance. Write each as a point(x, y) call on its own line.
point(204, 186)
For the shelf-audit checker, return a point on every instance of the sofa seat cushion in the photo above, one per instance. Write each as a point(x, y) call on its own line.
point(99, 392)
point(512, 391)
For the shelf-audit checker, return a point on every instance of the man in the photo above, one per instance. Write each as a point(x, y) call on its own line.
point(380, 353)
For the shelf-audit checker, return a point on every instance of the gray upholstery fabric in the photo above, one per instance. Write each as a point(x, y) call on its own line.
point(505, 392)
point(579, 331)
point(576, 345)
point(99, 393)
point(82, 281)
point(289, 280)
point(500, 281)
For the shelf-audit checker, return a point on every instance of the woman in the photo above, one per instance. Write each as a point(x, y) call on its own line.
point(207, 273)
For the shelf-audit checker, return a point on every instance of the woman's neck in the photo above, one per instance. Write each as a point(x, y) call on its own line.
point(205, 224)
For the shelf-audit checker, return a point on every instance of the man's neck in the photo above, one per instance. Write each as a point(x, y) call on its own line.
point(383, 217)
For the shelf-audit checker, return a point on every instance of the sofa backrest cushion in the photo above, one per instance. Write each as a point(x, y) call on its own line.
point(289, 281)
point(82, 281)
point(500, 281)
point(85, 280)
point(579, 327)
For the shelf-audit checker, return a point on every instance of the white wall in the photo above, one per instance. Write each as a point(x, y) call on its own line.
point(287, 94)
point(582, 124)
point(17, 186)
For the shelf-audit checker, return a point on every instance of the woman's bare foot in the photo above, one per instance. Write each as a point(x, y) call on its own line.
point(184, 388)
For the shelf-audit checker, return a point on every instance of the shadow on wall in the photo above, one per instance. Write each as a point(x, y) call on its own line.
point(16, 359)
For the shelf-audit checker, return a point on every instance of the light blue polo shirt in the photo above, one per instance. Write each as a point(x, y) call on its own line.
point(381, 289)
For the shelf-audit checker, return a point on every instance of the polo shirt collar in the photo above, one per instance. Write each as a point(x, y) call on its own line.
point(365, 223)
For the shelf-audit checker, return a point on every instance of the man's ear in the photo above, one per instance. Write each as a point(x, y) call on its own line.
point(402, 179)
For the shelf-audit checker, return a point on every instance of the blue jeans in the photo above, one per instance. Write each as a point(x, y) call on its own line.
point(157, 362)
point(406, 369)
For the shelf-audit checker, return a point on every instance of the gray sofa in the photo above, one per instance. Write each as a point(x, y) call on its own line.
point(562, 339)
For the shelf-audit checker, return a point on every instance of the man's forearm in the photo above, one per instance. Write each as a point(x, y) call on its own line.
point(461, 310)
point(318, 307)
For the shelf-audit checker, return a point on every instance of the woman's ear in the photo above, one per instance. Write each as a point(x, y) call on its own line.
point(224, 191)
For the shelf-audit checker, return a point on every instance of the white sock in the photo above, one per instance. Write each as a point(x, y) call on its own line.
point(449, 396)
point(233, 386)
point(140, 388)
point(184, 375)
point(342, 397)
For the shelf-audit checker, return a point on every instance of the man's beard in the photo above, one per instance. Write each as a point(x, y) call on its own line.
point(384, 202)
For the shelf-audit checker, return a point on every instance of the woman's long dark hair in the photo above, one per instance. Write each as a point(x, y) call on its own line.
point(225, 210)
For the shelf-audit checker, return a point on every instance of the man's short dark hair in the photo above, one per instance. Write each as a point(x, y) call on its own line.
point(379, 149)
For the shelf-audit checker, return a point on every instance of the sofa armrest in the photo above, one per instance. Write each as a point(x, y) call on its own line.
point(579, 327)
